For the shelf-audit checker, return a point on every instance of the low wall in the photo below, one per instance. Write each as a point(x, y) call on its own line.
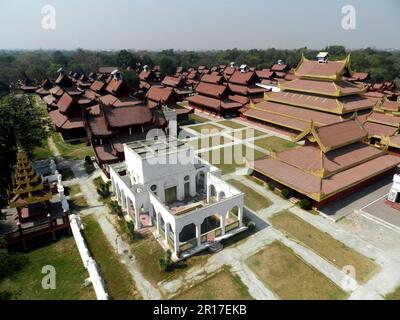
point(89, 263)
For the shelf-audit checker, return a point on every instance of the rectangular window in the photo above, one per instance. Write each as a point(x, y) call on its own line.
point(170, 195)
point(187, 189)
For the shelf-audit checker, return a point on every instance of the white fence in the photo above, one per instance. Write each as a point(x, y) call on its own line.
point(88, 261)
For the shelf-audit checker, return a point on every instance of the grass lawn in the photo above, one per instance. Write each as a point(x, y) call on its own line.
point(117, 278)
point(70, 274)
point(72, 150)
point(148, 253)
point(78, 203)
point(227, 160)
point(221, 286)
point(290, 277)
point(247, 133)
point(66, 173)
point(197, 118)
point(208, 142)
point(72, 190)
point(206, 128)
point(274, 144)
point(324, 245)
point(231, 124)
point(252, 199)
point(256, 180)
point(395, 295)
point(42, 152)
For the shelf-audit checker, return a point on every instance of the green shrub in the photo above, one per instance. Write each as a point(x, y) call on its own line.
point(104, 190)
point(116, 208)
point(251, 225)
point(11, 263)
point(271, 186)
point(305, 204)
point(286, 193)
point(131, 228)
point(166, 262)
point(88, 160)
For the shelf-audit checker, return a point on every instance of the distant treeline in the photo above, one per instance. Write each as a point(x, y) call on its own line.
point(37, 65)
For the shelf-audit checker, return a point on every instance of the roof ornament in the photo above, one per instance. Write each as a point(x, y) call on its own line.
point(322, 57)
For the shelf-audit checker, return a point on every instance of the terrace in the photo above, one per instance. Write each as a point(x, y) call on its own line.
point(189, 205)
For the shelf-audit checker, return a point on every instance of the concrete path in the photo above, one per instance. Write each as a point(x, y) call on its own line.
point(106, 223)
point(146, 289)
point(235, 257)
point(363, 235)
point(53, 147)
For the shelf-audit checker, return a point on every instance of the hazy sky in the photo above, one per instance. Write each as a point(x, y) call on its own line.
point(198, 24)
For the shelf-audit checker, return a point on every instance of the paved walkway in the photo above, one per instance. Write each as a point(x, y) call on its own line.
point(365, 236)
point(106, 223)
point(382, 283)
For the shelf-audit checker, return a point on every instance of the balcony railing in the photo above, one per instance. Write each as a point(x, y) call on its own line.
point(232, 226)
point(216, 233)
point(190, 244)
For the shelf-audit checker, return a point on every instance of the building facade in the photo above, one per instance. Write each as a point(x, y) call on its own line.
point(162, 184)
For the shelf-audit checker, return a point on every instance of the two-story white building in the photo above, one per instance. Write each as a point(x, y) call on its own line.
point(163, 184)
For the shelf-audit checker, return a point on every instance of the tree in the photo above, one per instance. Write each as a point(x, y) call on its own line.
point(21, 121)
point(126, 59)
point(167, 66)
point(104, 190)
point(166, 261)
point(116, 208)
point(131, 79)
point(52, 69)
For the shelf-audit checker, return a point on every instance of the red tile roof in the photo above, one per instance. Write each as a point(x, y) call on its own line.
point(216, 79)
point(65, 102)
point(340, 134)
point(98, 126)
point(159, 94)
point(376, 129)
point(62, 122)
point(315, 69)
point(320, 102)
point(174, 82)
point(382, 118)
point(212, 90)
point(337, 88)
point(279, 67)
point(127, 116)
point(244, 78)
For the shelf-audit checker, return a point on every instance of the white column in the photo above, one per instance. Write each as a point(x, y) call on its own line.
point(136, 217)
point(240, 216)
point(158, 223)
point(222, 221)
point(176, 240)
point(180, 190)
point(166, 232)
point(198, 233)
point(192, 185)
point(123, 202)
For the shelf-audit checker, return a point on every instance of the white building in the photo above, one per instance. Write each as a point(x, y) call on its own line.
point(163, 184)
point(394, 194)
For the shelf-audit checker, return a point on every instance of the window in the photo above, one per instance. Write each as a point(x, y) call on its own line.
point(153, 187)
point(186, 178)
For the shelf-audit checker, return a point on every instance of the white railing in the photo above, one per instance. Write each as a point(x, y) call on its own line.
point(89, 263)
